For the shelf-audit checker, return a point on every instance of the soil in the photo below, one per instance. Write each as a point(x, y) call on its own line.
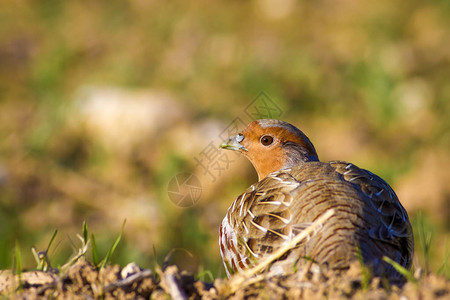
point(83, 281)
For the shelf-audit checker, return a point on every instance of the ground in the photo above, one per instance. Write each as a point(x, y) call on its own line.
point(83, 281)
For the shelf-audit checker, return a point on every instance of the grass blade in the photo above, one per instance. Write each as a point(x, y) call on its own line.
point(402, 270)
point(444, 267)
point(94, 251)
point(18, 264)
point(425, 234)
point(366, 273)
point(113, 247)
point(37, 259)
point(51, 240)
point(85, 232)
point(206, 273)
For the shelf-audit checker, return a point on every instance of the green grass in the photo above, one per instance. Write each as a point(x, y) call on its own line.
point(424, 232)
point(444, 269)
point(41, 257)
point(366, 273)
point(17, 268)
point(408, 274)
point(111, 250)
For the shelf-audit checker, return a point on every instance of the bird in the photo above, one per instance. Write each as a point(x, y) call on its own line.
point(294, 189)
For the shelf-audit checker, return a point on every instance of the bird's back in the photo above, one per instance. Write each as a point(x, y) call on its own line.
point(369, 220)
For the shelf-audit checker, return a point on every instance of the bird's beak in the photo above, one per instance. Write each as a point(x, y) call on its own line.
point(234, 143)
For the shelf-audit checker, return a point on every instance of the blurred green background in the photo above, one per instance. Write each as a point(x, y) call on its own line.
point(102, 103)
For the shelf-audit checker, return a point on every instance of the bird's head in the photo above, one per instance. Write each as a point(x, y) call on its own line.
point(272, 145)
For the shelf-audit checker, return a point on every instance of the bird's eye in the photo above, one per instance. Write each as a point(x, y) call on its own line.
point(266, 140)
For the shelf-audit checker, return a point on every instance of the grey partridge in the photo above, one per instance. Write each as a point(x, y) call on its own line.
point(294, 189)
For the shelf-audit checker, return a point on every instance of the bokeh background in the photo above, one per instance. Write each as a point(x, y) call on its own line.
point(102, 103)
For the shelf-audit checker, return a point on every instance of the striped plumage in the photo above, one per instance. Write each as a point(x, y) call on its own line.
point(295, 189)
